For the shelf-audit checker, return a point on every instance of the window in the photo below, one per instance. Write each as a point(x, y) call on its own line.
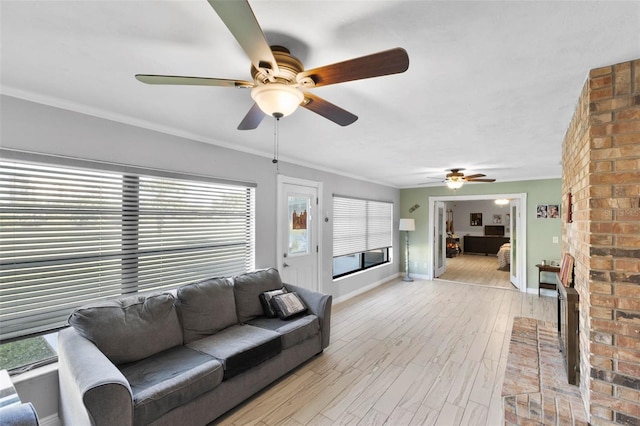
point(71, 235)
point(362, 234)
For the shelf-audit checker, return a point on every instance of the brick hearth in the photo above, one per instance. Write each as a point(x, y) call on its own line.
point(535, 389)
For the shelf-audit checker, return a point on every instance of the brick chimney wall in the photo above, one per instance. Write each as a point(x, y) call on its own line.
point(601, 171)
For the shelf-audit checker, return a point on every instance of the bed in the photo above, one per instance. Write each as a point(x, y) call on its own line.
point(504, 256)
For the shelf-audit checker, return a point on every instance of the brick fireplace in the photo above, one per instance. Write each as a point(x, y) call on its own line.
point(601, 179)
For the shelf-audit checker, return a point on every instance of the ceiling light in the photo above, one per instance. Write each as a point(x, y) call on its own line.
point(277, 98)
point(502, 201)
point(454, 184)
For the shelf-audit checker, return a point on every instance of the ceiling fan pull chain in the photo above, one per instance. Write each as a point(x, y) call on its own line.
point(276, 143)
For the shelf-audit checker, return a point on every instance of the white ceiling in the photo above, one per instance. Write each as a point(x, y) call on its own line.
point(491, 86)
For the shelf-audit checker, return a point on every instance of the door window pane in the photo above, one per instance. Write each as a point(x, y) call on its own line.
point(299, 221)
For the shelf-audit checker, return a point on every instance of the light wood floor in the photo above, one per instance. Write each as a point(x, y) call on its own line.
point(476, 269)
point(426, 352)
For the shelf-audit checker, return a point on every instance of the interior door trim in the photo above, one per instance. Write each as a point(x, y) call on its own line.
point(282, 180)
point(521, 253)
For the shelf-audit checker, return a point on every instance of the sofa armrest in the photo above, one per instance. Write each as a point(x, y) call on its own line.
point(320, 305)
point(19, 415)
point(92, 390)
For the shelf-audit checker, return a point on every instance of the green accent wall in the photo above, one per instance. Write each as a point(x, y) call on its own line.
point(540, 232)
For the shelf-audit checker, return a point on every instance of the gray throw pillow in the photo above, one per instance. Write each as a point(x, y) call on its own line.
point(206, 307)
point(249, 286)
point(130, 328)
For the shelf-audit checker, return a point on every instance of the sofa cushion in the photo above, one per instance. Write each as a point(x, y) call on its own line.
point(294, 331)
point(240, 347)
point(265, 300)
point(130, 328)
point(168, 380)
point(247, 288)
point(206, 307)
point(288, 305)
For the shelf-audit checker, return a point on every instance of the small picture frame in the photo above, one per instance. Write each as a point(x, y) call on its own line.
point(548, 211)
point(476, 219)
point(497, 219)
point(541, 211)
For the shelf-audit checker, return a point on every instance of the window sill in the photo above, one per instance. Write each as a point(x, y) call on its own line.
point(361, 272)
point(35, 373)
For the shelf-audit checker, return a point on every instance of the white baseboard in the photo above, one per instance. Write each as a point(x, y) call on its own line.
point(418, 276)
point(364, 289)
point(543, 292)
point(51, 420)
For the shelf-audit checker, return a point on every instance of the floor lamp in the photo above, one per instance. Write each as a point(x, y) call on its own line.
point(407, 225)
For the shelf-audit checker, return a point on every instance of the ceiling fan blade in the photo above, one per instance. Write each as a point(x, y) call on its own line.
point(191, 81)
point(480, 180)
point(479, 175)
point(241, 21)
point(328, 110)
point(253, 118)
point(392, 61)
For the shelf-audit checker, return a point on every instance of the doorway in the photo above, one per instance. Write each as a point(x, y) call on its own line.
point(437, 264)
point(298, 231)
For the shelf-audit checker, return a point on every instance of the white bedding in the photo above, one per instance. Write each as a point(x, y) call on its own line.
point(504, 255)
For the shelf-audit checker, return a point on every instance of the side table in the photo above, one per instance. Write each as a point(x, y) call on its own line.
point(546, 284)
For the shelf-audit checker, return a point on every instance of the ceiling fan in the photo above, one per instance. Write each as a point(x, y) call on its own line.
point(280, 82)
point(455, 179)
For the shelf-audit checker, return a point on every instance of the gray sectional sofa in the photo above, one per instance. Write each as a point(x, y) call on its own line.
point(183, 358)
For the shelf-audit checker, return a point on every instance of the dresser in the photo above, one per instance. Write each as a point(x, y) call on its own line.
point(483, 245)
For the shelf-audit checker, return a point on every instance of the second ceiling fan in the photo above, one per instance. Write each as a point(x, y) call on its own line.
point(280, 82)
point(455, 179)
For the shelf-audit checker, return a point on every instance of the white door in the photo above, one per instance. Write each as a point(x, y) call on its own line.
point(514, 226)
point(298, 227)
point(440, 239)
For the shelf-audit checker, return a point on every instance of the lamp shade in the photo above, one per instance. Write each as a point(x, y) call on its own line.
point(407, 225)
point(277, 98)
point(455, 184)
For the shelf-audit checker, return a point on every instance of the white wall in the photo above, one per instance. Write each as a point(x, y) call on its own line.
point(33, 127)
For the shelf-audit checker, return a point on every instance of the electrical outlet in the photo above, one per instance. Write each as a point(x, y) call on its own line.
point(555, 240)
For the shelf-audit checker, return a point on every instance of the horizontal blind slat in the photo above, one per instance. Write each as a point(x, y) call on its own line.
point(69, 236)
point(361, 225)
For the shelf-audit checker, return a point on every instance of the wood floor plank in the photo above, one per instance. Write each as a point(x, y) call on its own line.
point(474, 269)
point(423, 353)
point(389, 400)
point(371, 394)
point(463, 383)
point(484, 382)
point(450, 414)
point(475, 414)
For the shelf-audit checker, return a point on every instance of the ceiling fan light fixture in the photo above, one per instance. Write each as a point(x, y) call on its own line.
point(454, 184)
point(277, 98)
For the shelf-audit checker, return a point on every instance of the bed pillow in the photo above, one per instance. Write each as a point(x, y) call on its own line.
point(288, 305)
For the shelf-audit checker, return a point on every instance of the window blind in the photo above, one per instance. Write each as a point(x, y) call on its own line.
point(71, 236)
point(360, 225)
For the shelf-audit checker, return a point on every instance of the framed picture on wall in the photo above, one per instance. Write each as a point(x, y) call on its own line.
point(541, 211)
point(476, 219)
point(497, 219)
